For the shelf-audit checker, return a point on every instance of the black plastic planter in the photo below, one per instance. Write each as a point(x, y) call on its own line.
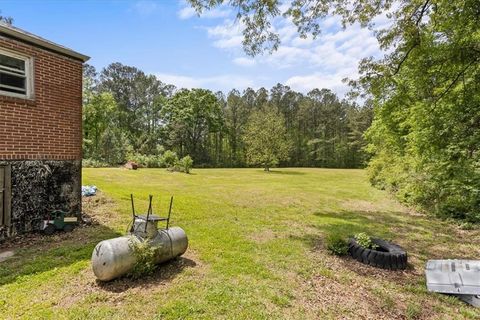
point(387, 256)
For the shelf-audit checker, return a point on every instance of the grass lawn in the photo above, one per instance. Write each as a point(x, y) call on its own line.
point(255, 251)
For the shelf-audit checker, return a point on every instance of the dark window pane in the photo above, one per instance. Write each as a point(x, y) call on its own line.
point(19, 91)
point(12, 62)
point(12, 83)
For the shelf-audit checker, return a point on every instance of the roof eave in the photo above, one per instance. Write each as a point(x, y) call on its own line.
point(22, 35)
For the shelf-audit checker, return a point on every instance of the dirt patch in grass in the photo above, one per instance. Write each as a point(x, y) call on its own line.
point(38, 240)
point(88, 288)
point(99, 209)
point(162, 276)
point(360, 205)
point(357, 291)
point(355, 302)
point(263, 236)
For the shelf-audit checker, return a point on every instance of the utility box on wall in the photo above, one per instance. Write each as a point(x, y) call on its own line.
point(40, 130)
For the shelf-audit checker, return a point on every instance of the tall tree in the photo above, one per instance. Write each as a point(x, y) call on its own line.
point(236, 116)
point(190, 115)
point(102, 138)
point(266, 139)
point(140, 98)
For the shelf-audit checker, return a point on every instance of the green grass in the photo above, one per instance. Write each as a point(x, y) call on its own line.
point(256, 251)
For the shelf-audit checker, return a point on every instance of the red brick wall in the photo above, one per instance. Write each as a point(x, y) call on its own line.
point(50, 125)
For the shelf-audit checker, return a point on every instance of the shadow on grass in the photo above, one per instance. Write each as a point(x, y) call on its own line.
point(285, 172)
point(423, 238)
point(349, 223)
point(44, 253)
point(164, 273)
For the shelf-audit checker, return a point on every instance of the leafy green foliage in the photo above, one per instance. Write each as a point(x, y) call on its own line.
point(99, 112)
point(147, 161)
point(140, 99)
point(113, 146)
point(425, 90)
point(170, 158)
point(337, 245)
point(186, 164)
point(467, 226)
point(365, 241)
point(167, 159)
point(425, 138)
point(266, 139)
point(145, 255)
point(92, 163)
point(189, 116)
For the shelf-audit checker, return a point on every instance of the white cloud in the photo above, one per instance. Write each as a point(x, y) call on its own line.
point(227, 35)
point(288, 56)
point(230, 42)
point(309, 63)
point(287, 32)
point(302, 42)
point(318, 80)
point(186, 13)
point(223, 82)
point(244, 62)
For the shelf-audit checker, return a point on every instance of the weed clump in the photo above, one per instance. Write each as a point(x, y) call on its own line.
point(145, 257)
point(337, 245)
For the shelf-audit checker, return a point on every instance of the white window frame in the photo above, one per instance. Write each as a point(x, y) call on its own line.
point(28, 75)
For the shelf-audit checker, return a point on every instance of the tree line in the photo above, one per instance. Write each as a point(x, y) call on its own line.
point(130, 115)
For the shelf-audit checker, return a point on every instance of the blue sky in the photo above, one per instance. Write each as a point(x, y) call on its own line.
point(167, 39)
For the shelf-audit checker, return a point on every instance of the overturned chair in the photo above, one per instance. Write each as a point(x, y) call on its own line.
point(116, 257)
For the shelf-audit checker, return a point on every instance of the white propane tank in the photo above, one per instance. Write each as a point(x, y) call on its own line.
point(115, 257)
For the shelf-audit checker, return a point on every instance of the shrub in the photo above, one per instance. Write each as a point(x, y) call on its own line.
point(337, 245)
point(147, 161)
point(154, 161)
point(185, 164)
point(365, 241)
point(169, 158)
point(92, 163)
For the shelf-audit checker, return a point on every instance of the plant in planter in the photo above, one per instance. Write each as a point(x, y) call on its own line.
point(377, 252)
point(365, 241)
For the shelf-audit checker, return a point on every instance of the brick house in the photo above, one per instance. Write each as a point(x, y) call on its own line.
point(40, 130)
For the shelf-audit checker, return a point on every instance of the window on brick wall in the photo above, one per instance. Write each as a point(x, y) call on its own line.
point(15, 75)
